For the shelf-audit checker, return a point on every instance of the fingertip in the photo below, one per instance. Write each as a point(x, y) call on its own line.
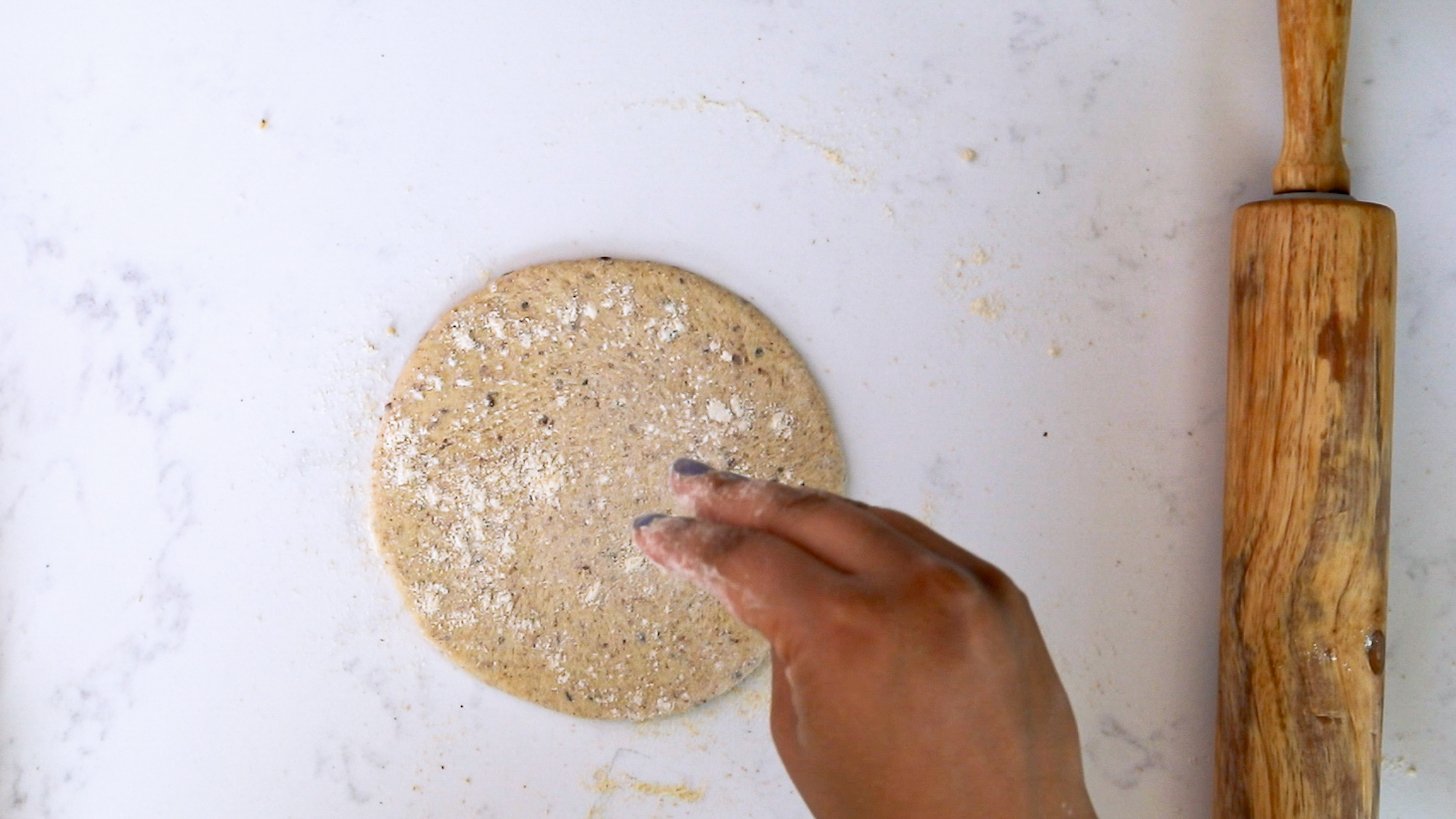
point(668, 541)
point(642, 521)
point(674, 544)
point(696, 486)
point(687, 468)
point(693, 471)
point(646, 534)
point(685, 481)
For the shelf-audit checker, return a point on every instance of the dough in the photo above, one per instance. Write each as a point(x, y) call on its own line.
point(528, 429)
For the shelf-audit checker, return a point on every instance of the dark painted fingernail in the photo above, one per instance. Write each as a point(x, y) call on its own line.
point(687, 467)
point(646, 520)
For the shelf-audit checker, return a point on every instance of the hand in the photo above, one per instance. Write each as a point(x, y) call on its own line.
point(909, 676)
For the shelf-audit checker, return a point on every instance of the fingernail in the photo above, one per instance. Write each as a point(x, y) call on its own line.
point(687, 467)
point(646, 520)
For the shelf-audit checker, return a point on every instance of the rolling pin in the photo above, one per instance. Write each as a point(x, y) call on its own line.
point(1307, 484)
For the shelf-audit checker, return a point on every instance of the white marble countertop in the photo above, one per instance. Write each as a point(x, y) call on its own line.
point(998, 234)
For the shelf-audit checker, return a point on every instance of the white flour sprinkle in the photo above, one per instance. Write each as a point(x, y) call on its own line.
point(718, 411)
point(495, 324)
point(462, 339)
point(593, 594)
point(428, 597)
point(781, 424)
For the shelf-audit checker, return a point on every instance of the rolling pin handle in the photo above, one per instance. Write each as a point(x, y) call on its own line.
point(1314, 37)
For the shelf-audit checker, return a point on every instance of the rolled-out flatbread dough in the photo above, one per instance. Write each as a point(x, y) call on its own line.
point(532, 423)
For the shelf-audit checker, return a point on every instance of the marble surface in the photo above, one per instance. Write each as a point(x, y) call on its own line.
point(998, 232)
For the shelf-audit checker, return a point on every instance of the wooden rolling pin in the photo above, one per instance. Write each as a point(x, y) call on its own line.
point(1307, 491)
point(1308, 481)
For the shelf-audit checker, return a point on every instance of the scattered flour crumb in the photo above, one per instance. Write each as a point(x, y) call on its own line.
point(988, 307)
point(603, 782)
point(1399, 764)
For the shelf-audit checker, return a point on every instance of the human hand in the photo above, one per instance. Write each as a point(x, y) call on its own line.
point(909, 676)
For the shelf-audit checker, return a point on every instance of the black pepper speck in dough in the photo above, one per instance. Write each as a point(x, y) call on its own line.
point(528, 429)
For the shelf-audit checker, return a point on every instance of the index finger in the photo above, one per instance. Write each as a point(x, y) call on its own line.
point(838, 531)
point(762, 579)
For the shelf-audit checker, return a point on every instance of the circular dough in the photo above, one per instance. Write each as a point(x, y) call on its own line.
point(531, 425)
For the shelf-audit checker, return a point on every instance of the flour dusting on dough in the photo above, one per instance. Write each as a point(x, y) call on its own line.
point(528, 429)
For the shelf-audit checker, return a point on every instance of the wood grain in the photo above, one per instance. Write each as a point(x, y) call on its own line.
point(1313, 39)
point(1307, 499)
